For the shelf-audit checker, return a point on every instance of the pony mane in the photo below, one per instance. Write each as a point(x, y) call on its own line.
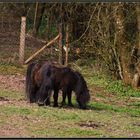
point(46, 70)
point(66, 69)
point(82, 82)
point(62, 69)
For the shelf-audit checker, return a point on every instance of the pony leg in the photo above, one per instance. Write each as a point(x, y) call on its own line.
point(55, 97)
point(63, 103)
point(47, 102)
point(69, 94)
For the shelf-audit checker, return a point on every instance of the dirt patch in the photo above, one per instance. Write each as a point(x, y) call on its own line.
point(136, 124)
point(18, 103)
point(3, 100)
point(15, 83)
point(12, 82)
point(8, 131)
point(91, 124)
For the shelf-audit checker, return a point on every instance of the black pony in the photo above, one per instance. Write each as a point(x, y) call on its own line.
point(67, 80)
point(44, 77)
point(38, 82)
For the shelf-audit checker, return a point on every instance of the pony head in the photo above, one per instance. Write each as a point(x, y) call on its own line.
point(46, 87)
point(44, 92)
point(82, 92)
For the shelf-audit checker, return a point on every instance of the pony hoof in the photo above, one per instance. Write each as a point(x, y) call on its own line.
point(83, 107)
point(70, 105)
point(47, 104)
point(32, 101)
point(63, 104)
point(40, 104)
point(55, 105)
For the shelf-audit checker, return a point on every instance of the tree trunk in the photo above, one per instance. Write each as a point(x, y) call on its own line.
point(35, 15)
point(138, 21)
point(136, 79)
point(61, 38)
point(48, 29)
point(122, 45)
point(40, 7)
point(67, 45)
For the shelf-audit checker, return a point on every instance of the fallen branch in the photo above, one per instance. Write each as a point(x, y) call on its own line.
point(36, 53)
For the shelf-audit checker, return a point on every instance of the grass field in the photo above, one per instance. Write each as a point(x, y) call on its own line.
point(114, 111)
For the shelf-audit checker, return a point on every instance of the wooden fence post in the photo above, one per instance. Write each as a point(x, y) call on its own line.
point(22, 40)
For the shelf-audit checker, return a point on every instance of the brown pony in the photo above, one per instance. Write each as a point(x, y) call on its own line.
point(42, 78)
point(67, 80)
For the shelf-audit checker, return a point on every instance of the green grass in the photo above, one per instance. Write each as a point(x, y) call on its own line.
point(101, 106)
point(113, 86)
point(137, 104)
point(38, 121)
point(11, 95)
point(11, 69)
point(92, 78)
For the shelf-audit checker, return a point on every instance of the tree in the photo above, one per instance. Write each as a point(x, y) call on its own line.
point(122, 44)
point(39, 11)
point(136, 77)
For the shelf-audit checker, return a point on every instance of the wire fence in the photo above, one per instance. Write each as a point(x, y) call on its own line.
point(10, 32)
point(9, 38)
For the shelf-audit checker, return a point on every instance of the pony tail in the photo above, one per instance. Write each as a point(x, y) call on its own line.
point(29, 79)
